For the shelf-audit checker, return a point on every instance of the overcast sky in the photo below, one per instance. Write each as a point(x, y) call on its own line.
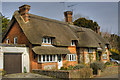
point(104, 13)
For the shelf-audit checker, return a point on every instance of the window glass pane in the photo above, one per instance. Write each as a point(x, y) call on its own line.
point(67, 57)
point(43, 57)
point(104, 56)
point(15, 40)
point(53, 57)
point(40, 58)
point(7, 41)
point(75, 57)
point(50, 57)
point(48, 40)
point(45, 40)
point(47, 57)
point(72, 57)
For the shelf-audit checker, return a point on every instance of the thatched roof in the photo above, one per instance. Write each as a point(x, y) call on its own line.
point(88, 38)
point(50, 50)
point(39, 27)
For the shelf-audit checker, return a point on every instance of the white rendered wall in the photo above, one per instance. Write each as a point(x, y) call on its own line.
point(23, 50)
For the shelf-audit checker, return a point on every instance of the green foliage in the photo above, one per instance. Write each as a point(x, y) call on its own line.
point(70, 67)
point(97, 66)
point(25, 71)
point(79, 66)
point(83, 22)
point(5, 22)
point(63, 68)
point(115, 55)
point(97, 56)
point(107, 63)
point(3, 73)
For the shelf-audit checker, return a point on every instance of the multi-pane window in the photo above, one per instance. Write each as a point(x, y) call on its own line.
point(47, 40)
point(7, 41)
point(86, 50)
point(73, 43)
point(104, 56)
point(71, 57)
point(47, 58)
point(90, 50)
point(15, 40)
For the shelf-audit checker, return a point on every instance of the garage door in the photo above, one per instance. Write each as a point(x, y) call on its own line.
point(12, 63)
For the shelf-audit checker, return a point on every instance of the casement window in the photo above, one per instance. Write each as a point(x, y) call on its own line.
point(71, 57)
point(8, 41)
point(86, 50)
point(15, 40)
point(93, 50)
point(47, 40)
point(73, 43)
point(47, 58)
point(89, 50)
point(105, 46)
point(104, 56)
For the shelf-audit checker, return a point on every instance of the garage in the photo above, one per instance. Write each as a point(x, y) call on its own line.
point(13, 63)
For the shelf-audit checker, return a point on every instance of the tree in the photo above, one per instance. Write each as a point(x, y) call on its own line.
point(83, 22)
point(5, 22)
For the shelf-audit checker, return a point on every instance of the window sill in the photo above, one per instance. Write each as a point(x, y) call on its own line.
point(48, 62)
point(72, 60)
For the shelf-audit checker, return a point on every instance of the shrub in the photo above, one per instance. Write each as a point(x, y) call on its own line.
point(70, 67)
point(79, 66)
point(25, 71)
point(97, 66)
point(108, 64)
point(63, 68)
point(3, 73)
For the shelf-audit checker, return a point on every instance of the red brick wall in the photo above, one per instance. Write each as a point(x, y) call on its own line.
point(66, 63)
point(16, 32)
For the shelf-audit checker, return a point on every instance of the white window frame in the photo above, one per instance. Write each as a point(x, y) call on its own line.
point(55, 59)
point(85, 50)
point(46, 38)
point(73, 43)
point(69, 57)
point(15, 40)
point(105, 46)
point(8, 41)
point(90, 50)
point(104, 56)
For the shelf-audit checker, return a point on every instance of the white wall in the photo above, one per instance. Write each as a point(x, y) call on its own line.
point(23, 50)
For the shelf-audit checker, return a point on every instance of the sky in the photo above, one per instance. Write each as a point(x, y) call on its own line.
point(104, 13)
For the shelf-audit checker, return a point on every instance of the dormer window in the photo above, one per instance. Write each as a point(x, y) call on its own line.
point(47, 40)
point(7, 41)
point(15, 40)
point(73, 43)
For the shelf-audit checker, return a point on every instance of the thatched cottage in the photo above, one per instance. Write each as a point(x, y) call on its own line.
point(48, 43)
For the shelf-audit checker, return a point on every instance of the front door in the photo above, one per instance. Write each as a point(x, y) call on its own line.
point(60, 64)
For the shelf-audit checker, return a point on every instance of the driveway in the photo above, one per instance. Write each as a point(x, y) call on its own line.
point(25, 75)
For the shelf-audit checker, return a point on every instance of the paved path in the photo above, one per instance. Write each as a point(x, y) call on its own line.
point(25, 75)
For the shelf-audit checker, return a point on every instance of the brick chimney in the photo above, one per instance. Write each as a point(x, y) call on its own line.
point(24, 10)
point(68, 17)
point(98, 29)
